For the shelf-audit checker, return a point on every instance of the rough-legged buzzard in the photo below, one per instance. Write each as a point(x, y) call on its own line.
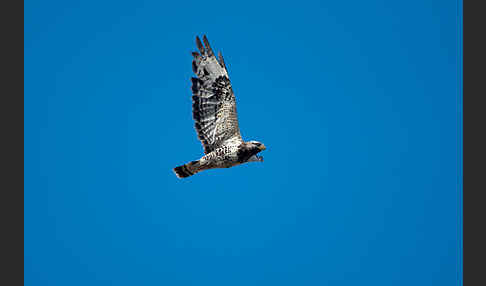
point(214, 111)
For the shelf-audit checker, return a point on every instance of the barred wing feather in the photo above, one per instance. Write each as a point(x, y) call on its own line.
point(214, 104)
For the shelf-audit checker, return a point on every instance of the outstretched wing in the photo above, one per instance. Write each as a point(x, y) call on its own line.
point(214, 104)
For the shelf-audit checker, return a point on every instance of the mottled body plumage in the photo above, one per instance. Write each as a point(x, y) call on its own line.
point(215, 116)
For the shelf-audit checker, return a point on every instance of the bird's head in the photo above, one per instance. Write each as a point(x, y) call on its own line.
point(257, 145)
point(252, 148)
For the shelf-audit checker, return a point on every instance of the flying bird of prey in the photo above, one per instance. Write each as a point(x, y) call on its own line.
point(214, 113)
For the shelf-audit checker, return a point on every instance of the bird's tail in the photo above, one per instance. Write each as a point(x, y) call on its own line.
point(187, 170)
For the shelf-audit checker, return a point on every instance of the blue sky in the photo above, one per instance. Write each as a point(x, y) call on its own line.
point(358, 103)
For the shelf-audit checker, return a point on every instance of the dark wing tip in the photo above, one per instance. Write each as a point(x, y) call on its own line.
point(221, 60)
point(208, 47)
point(200, 45)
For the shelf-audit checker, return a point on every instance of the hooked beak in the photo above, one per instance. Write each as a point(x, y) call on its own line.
point(262, 147)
